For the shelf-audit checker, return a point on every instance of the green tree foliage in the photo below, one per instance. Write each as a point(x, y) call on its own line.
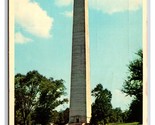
point(133, 86)
point(125, 116)
point(63, 117)
point(42, 116)
point(135, 111)
point(116, 116)
point(36, 97)
point(55, 116)
point(101, 108)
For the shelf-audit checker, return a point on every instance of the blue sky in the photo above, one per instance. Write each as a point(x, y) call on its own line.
point(43, 38)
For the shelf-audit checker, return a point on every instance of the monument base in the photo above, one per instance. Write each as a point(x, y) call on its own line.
point(79, 120)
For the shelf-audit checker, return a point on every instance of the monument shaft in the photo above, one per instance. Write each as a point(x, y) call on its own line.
point(80, 99)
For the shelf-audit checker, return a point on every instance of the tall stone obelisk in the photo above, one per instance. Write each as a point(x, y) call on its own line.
point(80, 99)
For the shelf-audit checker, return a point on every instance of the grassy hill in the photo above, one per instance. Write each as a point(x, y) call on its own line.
point(134, 123)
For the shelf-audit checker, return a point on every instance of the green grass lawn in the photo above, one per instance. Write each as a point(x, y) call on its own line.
point(134, 123)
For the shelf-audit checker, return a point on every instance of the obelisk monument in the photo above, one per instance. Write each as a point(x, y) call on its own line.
point(80, 99)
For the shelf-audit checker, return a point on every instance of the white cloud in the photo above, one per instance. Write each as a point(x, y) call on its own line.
point(119, 99)
point(19, 38)
point(113, 6)
point(32, 18)
point(68, 13)
point(63, 2)
point(108, 6)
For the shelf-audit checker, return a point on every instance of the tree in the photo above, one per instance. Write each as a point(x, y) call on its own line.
point(133, 86)
point(55, 116)
point(101, 108)
point(136, 111)
point(26, 89)
point(116, 116)
point(49, 100)
point(35, 98)
point(125, 116)
point(63, 117)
